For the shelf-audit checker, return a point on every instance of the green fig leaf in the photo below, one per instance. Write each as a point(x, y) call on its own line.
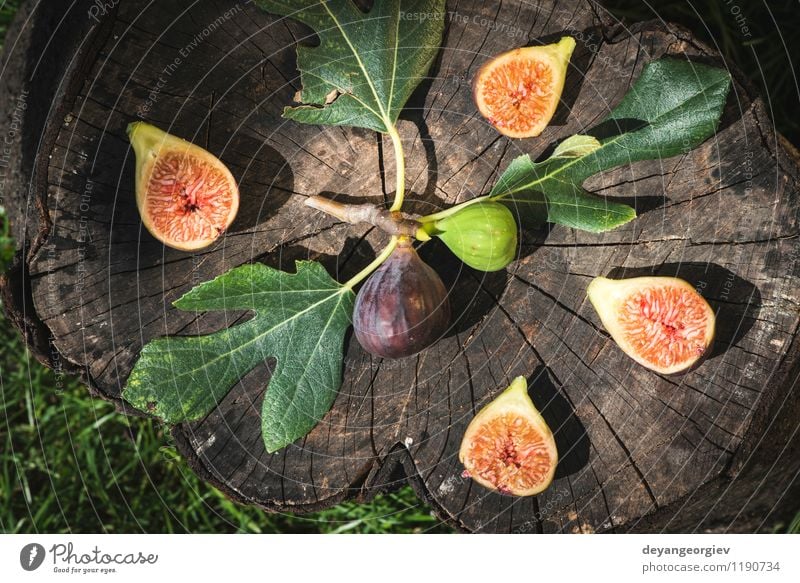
point(576, 146)
point(672, 107)
point(367, 64)
point(299, 319)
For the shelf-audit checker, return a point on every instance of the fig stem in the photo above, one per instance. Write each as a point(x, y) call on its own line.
point(391, 223)
point(400, 169)
point(452, 210)
point(375, 264)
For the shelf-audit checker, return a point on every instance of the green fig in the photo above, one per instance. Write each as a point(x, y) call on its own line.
point(482, 235)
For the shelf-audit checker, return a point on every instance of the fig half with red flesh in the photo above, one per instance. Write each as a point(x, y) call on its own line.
point(518, 91)
point(660, 322)
point(508, 446)
point(186, 196)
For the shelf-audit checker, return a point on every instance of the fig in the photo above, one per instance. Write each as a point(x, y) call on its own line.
point(187, 198)
point(403, 307)
point(482, 235)
point(508, 446)
point(518, 91)
point(660, 322)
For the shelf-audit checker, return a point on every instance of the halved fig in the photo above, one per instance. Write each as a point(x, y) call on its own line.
point(187, 198)
point(518, 91)
point(403, 307)
point(508, 446)
point(660, 322)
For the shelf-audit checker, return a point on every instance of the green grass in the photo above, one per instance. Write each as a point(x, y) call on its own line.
point(794, 527)
point(7, 10)
point(70, 463)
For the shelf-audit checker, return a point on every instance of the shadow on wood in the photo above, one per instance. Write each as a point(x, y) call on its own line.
point(571, 438)
point(577, 69)
point(265, 180)
point(425, 202)
point(473, 294)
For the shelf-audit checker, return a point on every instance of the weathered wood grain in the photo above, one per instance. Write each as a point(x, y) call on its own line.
point(639, 451)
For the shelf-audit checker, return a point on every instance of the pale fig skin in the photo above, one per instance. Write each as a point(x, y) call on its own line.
point(150, 142)
point(515, 401)
point(607, 297)
point(402, 308)
point(483, 235)
point(556, 56)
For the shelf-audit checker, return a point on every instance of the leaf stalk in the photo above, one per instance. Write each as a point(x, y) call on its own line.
point(451, 210)
point(400, 169)
point(377, 262)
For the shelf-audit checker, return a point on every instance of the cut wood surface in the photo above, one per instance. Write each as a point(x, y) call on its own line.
point(713, 449)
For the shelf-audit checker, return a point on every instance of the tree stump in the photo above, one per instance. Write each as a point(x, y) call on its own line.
point(715, 449)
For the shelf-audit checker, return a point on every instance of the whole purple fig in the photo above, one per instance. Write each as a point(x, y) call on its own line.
point(402, 308)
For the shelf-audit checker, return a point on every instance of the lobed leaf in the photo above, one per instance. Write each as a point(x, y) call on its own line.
point(672, 107)
point(299, 319)
point(367, 64)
